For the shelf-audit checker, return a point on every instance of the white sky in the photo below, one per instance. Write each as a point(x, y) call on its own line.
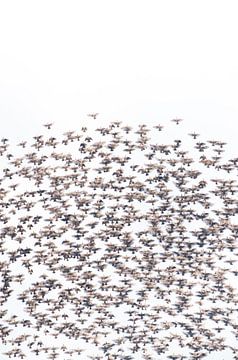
point(129, 60)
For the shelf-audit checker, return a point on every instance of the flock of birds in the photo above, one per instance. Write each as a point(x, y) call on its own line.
point(114, 245)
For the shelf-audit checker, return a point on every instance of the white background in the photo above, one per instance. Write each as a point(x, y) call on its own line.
point(128, 60)
point(136, 61)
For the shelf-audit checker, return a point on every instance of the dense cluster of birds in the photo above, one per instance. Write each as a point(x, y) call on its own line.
point(115, 245)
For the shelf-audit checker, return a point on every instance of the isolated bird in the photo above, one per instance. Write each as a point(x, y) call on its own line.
point(48, 125)
point(93, 115)
point(177, 121)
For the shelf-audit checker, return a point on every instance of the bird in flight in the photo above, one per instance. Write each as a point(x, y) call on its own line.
point(194, 135)
point(158, 127)
point(48, 125)
point(177, 121)
point(93, 115)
